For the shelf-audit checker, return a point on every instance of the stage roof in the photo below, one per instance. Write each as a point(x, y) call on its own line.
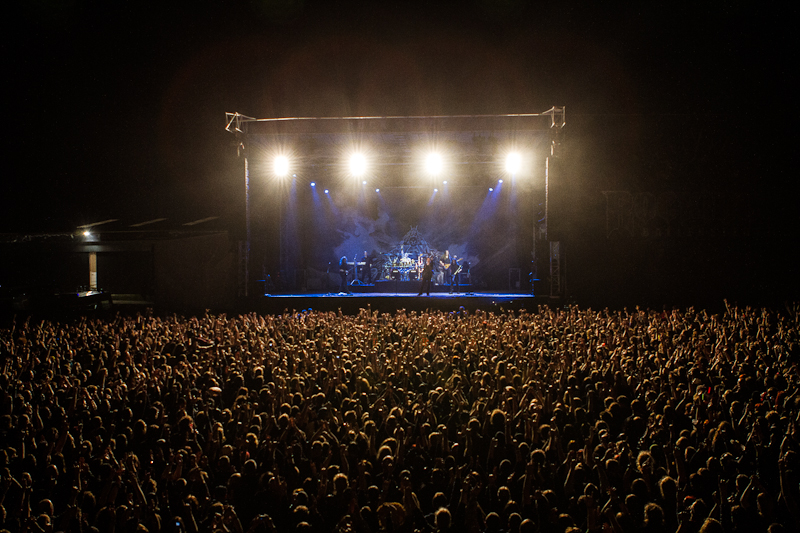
point(554, 118)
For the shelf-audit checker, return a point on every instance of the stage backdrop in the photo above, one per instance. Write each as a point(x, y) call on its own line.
point(487, 229)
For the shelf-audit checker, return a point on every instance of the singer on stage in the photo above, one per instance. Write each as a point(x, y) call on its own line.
point(426, 276)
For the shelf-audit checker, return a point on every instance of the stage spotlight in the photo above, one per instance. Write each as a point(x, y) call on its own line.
point(377, 190)
point(313, 184)
point(326, 191)
point(358, 164)
point(444, 182)
point(513, 163)
point(499, 181)
point(87, 233)
point(433, 164)
point(281, 165)
point(364, 182)
point(491, 189)
point(435, 190)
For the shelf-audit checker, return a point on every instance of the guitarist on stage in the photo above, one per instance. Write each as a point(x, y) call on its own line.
point(455, 270)
point(444, 264)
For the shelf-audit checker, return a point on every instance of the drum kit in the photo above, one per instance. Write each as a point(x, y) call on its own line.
point(402, 267)
point(406, 261)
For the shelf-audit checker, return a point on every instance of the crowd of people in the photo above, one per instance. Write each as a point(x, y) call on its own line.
point(554, 421)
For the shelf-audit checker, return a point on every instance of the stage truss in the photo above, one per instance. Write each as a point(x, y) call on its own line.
point(243, 125)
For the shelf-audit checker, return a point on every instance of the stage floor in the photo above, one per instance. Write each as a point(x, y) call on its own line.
point(392, 301)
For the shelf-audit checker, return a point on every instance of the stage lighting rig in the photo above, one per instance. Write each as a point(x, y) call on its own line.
point(358, 165)
point(513, 163)
point(434, 164)
point(281, 166)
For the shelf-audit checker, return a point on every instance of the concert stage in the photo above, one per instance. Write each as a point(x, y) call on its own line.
point(463, 196)
point(362, 297)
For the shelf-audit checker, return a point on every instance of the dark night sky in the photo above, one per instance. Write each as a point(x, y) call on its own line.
point(117, 108)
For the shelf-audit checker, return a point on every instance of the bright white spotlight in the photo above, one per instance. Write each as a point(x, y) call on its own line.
point(364, 182)
point(87, 233)
point(377, 190)
point(281, 165)
point(433, 164)
point(313, 184)
point(491, 189)
point(513, 163)
point(358, 164)
point(499, 181)
point(445, 182)
point(326, 191)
